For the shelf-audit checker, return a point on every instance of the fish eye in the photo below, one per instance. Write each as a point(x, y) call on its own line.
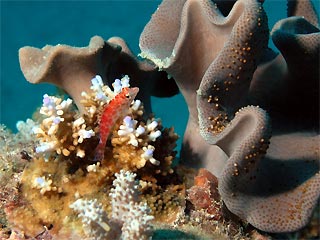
point(127, 95)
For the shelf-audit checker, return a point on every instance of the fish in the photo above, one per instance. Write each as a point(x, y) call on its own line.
point(116, 109)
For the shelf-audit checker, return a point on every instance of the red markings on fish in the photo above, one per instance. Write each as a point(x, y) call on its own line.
point(116, 109)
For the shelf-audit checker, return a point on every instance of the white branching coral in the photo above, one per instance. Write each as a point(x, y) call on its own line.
point(137, 224)
point(60, 115)
point(52, 132)
point(127, 209)
point(101, 94)
point(136, 134)
point(148, 155)
point(129, 217)
point(95, 220)
point(90, 211)
point(60, 161)
point(55, 109)
point(118, 84)
point(130, 131)
point(136, 142)
point(125, 191)
point(79, 133)
point(136, 108)
point(79, 127)
point(152, 131)
point(65, 132)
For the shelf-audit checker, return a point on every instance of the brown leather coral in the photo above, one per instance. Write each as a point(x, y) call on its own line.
point(289, 80)
point(213, 59)
point(67, 67)
point(72, 68)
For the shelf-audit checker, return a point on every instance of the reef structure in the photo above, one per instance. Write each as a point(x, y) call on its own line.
point(217, 56)
point(66, 192)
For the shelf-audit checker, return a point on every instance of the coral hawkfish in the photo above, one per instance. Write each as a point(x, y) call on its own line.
point(116, 109)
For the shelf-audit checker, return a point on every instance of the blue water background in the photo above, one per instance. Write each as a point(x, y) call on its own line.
point(37, 23)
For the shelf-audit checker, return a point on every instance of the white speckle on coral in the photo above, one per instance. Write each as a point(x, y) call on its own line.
point(101, 91)
point(133, 141)
point(154, 135)
point(96, 83)
point(92, 110)
point(127, 126)
point(78, 122)
point(48, 102)
point(101, 96)
point(37, 130)
point(152, 130)
point(59, 112)
point(65, 104)
point(118, 84)
point(44, 184)
point(129, 122)
point(76, 195)
point(57, 120)
point(136, 104)
point(45, 147)
point(93, 167)
point(80, 153)
point(86, 133)
point(125, 81)
point(40, 181)
point(128, 130)
point(85, 95)
point(53, 129)
point(148, 155)
point(151, 126)
point(139, 131)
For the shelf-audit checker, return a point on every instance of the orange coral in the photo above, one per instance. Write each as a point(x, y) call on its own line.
point(204, 194)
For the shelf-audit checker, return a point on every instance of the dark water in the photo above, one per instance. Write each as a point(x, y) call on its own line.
point(37, 23)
